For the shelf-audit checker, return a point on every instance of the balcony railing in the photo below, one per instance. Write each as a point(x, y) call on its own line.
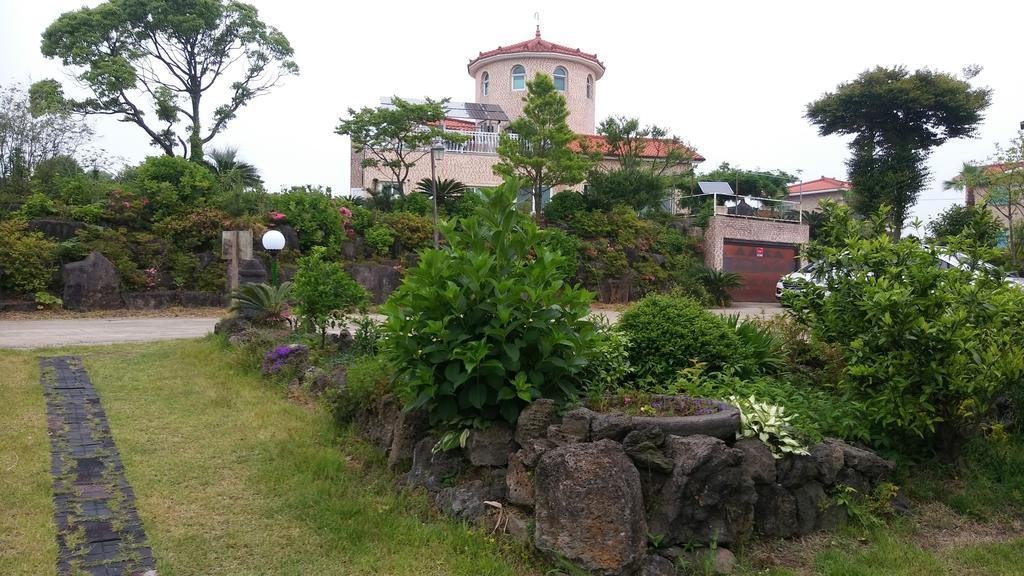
point(743, 207)
point(478, 143)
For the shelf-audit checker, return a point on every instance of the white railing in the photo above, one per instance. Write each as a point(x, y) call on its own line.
point(744, 207)
point(478, 142)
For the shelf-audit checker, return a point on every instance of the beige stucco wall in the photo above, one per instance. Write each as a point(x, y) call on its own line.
point(581, 108)
point(737, 228)
point(812, 202)
point(474, 170)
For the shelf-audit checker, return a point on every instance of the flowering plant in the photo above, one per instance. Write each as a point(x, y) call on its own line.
point(277, 216)
point(277, 358)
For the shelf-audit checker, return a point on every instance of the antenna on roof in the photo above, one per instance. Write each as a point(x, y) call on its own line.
point(536, 18)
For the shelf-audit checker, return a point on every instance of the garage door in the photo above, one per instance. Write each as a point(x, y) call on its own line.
point(761, 265)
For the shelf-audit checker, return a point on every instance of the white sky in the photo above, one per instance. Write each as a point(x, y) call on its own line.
point(732, 78)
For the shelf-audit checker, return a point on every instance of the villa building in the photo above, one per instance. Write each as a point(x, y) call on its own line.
point(500, 77)
point(811, 194)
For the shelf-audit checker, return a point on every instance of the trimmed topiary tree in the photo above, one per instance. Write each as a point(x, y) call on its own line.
point(484, 326)
point(669, 333)
point(324, 293)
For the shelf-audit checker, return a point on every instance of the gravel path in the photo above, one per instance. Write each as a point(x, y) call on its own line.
point(69, 332)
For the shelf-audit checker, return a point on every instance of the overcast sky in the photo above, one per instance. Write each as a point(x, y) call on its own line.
point(731, 78)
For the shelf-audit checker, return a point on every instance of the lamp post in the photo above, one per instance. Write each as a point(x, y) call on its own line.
point(273, 242)
point(436, 155)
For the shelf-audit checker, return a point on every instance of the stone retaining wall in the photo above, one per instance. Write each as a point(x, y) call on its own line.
point(592, 488)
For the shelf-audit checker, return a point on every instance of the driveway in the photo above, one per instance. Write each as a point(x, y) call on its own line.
point(70, 332)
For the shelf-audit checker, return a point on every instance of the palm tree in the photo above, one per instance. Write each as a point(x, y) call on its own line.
point(970, 178)
point(232, 172)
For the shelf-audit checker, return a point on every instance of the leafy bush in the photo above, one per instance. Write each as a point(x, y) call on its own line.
point(415, 203)
point(262, 303)
point(28, 260)
point(564, 205)
point(769, 424)
point(486, 325)
point(315, 219)
point(717, 283)
point(325, 293)
point(195, 231)
point(927, 349)
point(763, 347)
point(118, 246)
point(669, 333)
point(170, 184)
point(412, 231)
point(566, 246)
point(367, 380)
point(465, 205)
point(37, 205)
point(609, 369)
point(47, 301)
point(367, 336)
point(380, 238)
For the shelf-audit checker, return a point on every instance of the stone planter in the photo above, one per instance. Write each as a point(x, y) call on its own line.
point(722, 424)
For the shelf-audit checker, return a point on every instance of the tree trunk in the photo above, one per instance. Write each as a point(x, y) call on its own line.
point(195, 139)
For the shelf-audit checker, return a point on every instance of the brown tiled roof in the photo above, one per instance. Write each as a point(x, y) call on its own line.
point(652, 147)
point(537, 44)
point(820, 185)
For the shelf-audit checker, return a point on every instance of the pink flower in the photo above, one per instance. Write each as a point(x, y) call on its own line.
point(277, 216)
point(126, 204)
point(145, 201)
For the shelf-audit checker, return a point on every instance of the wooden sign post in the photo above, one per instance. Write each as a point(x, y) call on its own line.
point(235, 246)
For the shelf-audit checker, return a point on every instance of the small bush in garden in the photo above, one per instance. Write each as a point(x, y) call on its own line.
point(563, 205)
point(670, 333)
point(47, 301)
point(367, 380)
point(325, 293)
point(486, 325)
point(763, 347)
point(37, 205)
point(28, 260)
point(380, 238)
point(415, 203)
point(412, 231)
point(284, 356)
point(608, 370)
point(367, 336)
point(566, 246)
point(263, 303)
point(928, 349)
point(309, 210)
point(769, 424)
point(718, 283)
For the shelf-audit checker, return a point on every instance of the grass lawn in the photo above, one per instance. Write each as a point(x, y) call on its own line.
point(230, 477)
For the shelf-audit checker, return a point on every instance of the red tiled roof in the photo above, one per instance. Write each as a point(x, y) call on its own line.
point(536, 44)
point(457, 124)
point(820, 185)
point(652, 147)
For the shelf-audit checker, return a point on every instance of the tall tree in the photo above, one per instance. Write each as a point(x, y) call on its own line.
point(163, 57)
point(536, 146)
point(650, 164)
point(759, 183)
point(30, 135)
point(970, 178)
point(897, 118)
point(396, 136)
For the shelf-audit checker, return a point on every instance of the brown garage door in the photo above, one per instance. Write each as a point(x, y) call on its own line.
point(761, 265)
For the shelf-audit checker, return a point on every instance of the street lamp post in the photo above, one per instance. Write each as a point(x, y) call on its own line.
point(273, 242)
point(436, 155)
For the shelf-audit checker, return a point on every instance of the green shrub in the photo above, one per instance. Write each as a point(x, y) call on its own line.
point(325, 293)
point(197, 230)
point(669, 333)
point(170, 184)
point(763, 347)
point(380, 238)
point(609, 370)
point(564, 205)
point(90, 213)
point(314, 217)
point(37, 205)
point(262, 303)
point(415, 203)
point(566, 246)
point(486, 325)
point(718, 283)
point(367, 380)
point(412, 231)
point(928, 350)
point(28, 260)
point(466, 204)
point(117, 246)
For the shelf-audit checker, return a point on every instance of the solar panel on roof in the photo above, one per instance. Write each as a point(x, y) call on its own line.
point(715, 188)
point(463, 110)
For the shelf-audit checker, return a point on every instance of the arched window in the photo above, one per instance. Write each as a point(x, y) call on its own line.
point(590, 86)
point(560, 76)
point(518, 77)
point(485, 83)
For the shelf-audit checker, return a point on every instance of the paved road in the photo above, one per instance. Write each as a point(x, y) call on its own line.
point(64, 332)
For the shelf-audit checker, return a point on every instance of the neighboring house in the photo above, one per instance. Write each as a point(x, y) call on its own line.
point(500, 76)
point(811, 194)
point(997, 198)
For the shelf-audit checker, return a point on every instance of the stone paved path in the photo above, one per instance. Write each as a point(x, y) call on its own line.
point(99, 532)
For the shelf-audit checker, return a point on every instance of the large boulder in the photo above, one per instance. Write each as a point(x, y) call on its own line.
point(251, 271)
point(534, 420)
point(589, 508)
point(410, 427)
point(757, 460)
point(91, 284)
point(490, 446)
point(60, 230)
point(708, 498)
point(380, 280)
point(519, 481)
point(644, 446)
point(433, 470)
